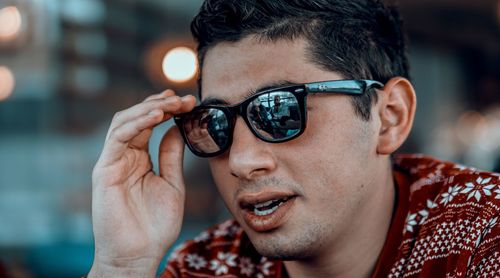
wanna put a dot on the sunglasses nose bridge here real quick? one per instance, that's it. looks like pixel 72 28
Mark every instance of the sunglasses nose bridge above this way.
pixel 235 111
pixel 241 111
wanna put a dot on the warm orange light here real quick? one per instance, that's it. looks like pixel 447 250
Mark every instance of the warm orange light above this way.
pixel 7 83
pixel 180 64
pixel 498 12
pixel 10 23
pixel 469 126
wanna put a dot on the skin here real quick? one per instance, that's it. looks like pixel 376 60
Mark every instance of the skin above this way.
pixel 137 214
pixel 340 219
pixel 339 168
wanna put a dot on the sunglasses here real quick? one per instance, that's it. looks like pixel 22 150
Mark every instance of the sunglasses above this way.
pixel 275 115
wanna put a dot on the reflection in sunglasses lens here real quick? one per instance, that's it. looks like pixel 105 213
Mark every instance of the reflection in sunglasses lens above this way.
pixel 275 116
pixel 207 130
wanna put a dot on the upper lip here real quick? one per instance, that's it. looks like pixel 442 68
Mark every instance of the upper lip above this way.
pixel 248 201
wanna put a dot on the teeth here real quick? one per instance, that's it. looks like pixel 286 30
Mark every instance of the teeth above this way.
pixel 264 204
pixel 267 211
pixel 258 207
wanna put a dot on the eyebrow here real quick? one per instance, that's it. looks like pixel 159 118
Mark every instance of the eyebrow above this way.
pixel 264 87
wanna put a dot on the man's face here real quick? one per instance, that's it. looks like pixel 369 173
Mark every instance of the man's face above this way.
pixel 277 101
pixel 321 182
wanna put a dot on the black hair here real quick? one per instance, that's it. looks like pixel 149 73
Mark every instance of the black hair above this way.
pixel 360 39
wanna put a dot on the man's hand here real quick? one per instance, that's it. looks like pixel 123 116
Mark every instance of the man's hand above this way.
pixel 136 214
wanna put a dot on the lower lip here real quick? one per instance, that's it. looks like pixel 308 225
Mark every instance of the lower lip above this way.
pixel 264 223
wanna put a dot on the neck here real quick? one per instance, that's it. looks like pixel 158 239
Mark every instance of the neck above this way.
pixel 355 252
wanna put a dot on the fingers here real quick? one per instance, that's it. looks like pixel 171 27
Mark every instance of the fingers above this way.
pixel 171 156
pixel 168 104
pixel 131 122
pixel 166 93
pixel 131 129
pixel 119 138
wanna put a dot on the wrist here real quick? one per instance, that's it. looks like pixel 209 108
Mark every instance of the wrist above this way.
pixel 124 267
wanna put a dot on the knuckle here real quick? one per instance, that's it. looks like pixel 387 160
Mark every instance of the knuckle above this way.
pixel 117 115
pixel 175 103
pixel 174 99
pixel 151 96
pixel 115 133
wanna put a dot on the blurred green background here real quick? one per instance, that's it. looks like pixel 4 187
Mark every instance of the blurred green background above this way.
pixel 66 66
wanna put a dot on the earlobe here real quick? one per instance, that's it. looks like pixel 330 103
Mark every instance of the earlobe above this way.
pixel 396 111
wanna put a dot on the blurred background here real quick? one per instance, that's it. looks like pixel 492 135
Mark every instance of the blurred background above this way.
pixel 66 66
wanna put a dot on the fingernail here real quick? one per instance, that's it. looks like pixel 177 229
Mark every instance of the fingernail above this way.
pixel 185 98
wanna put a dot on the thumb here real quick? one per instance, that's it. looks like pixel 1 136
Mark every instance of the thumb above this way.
pixel 171 156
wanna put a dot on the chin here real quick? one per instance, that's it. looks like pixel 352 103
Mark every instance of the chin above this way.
pixel 285 254
pixel 289 248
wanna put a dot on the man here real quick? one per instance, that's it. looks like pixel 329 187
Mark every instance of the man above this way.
pixel 279 111
pixel 327 199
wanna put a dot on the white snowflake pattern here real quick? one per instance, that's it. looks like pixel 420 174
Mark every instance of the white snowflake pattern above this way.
pixel 233 230
pixel 431 204
pixel 487 189
pixel 411 221
pixel 176 252
pixel 264 268
pixel 226 225
pixel 478 241
pixel 202 237
pixel 491 224
pixel 222 263
pixel 227 228
pixel 246 266
pixel 497 191
pixel 448 196
pixel 424 214
pixel 220 233
pixel 196 261
pixel 460 167
pixel 474 190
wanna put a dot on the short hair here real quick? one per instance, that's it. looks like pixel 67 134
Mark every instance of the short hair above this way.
pixel 360 39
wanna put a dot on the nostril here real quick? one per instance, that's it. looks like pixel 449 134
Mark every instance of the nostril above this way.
pixel 250 172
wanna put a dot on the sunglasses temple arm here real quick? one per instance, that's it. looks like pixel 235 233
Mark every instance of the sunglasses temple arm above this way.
pixel 338 87
pixel 350 87
pixel 373 84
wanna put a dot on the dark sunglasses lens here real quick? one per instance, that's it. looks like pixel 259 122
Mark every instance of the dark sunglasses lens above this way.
pixel 275 116
pixel 207 130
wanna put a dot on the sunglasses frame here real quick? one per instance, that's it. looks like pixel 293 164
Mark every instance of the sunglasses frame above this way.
pixel 300 92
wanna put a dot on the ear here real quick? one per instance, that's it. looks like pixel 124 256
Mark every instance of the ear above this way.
pixel 397 104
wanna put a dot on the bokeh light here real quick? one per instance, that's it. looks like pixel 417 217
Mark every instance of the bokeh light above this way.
pixel 498 12
pixel 10 23
pixel 469 126
pixel 7 82
pixel 180 64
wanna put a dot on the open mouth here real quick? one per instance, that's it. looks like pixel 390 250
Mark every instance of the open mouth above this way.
pixel 267 211
pixel 267 208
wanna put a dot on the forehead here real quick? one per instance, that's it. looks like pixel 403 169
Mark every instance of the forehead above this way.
pixel 232 70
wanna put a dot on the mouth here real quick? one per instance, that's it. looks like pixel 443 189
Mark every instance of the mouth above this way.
pixel 266 207
pixel 267 210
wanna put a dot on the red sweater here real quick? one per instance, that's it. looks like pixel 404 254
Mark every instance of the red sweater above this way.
pixel 445 225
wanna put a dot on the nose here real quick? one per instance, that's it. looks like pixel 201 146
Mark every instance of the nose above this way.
pixel 249 157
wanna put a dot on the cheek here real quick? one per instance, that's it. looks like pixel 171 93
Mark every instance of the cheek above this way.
pixel 336 149
pixel 225 183
pixel 340 135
